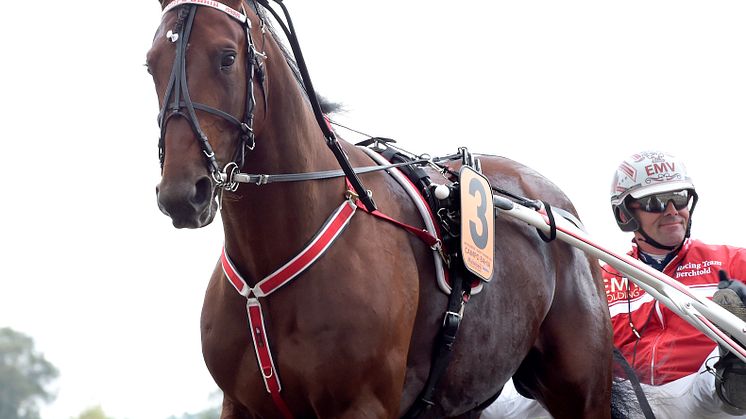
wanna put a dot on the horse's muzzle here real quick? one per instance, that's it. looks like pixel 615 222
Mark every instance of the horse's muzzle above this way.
pixel 190 205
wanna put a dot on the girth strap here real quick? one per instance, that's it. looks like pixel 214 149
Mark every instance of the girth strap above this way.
pixel 443 344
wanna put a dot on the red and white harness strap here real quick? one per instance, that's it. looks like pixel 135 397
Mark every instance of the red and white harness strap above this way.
pixel 324 238
pixel 422 234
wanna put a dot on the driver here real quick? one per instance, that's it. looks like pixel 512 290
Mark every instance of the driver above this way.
pixel 684 373
pixel 653 197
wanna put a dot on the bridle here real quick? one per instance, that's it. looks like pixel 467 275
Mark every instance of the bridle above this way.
pixel 177 100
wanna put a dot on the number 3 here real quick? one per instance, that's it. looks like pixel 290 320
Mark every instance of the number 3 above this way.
pixel 479 239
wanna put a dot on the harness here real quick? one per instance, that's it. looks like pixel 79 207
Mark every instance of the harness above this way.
pixel 329 232
pixel 322 240
pixel 177 102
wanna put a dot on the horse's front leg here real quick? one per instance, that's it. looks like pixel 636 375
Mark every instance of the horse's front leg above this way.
pixel 370 393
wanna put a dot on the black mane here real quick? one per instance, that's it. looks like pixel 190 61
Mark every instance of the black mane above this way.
pixel 329 107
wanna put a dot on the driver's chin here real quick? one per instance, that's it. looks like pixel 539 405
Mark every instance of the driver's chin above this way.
pixel 671 236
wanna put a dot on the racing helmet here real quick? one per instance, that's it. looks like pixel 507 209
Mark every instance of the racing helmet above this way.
pixel 643 174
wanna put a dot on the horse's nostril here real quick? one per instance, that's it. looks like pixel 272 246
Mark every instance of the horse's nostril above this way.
pixel 202 191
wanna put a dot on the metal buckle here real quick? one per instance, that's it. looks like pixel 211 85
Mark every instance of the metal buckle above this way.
pixel 451 314
pixel 351 195
pixel 225 179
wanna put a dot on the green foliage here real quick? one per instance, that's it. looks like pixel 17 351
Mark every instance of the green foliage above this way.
pixel 24 376
pixel 93 413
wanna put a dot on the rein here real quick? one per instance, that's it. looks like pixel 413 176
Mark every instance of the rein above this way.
pixel 263 179
pixel 326 174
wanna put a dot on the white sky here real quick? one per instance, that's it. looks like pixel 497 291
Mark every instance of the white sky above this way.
pixel 112 294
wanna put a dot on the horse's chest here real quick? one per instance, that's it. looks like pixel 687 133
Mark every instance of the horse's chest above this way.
pixel 226 339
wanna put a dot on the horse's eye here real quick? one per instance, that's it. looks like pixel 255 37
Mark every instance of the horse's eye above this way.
pixel 228 60
pixel 147 68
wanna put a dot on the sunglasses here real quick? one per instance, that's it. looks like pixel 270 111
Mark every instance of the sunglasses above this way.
pixel 657 203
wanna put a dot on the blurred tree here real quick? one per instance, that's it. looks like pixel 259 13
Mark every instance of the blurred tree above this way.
pixel 211 413
pixel 24 376
pixel 93 413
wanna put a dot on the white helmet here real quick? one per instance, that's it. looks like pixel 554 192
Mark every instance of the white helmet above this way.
pixel 642 174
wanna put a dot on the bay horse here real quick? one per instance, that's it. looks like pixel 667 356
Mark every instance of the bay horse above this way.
pixel 353 335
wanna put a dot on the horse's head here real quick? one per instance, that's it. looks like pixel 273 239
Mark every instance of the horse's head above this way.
pixel 203 63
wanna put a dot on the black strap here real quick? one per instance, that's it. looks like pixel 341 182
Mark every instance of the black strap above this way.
pixel 552 225
pixel 331 139
pixel 443 345
pixel 414 173
pixel 371 140
pixel 261 179
pixel 635 381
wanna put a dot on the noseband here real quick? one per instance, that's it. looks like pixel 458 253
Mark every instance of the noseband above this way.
pixel 177 100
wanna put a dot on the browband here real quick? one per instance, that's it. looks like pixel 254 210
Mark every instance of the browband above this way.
pixel 210 3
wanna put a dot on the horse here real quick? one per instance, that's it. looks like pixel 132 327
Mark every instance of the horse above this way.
pixel 353 335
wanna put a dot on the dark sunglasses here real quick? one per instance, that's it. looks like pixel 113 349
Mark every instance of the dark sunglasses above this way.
pixel 657 203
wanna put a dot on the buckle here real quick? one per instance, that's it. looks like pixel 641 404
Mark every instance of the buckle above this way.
pixel 351 195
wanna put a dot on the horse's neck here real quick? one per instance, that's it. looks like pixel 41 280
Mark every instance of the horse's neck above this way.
pixel 266 225
pixel 288 136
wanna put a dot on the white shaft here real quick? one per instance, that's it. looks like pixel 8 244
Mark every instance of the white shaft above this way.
pixel 703 314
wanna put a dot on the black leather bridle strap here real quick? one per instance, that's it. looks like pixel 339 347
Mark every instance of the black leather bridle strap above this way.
pixel 178 87
pixel 177 100
pixel 194 122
